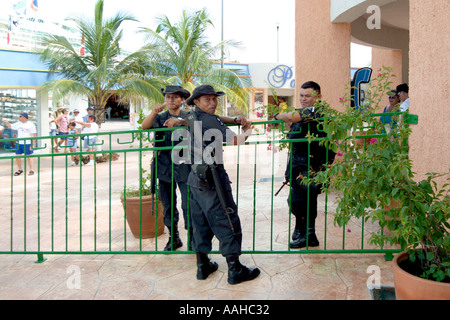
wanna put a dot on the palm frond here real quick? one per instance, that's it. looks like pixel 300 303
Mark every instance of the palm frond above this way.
pixel 102 69
pixel 181 50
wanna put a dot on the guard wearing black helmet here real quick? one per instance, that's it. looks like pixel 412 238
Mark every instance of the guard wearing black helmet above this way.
pixel 174 97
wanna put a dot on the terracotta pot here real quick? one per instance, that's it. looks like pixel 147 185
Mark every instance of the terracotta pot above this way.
pixel 411 287
pixel 149 221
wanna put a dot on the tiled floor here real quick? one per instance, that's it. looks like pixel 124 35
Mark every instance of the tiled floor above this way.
pixel 166 277
pixel 292 276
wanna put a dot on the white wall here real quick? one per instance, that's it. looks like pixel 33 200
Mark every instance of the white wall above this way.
pixel 72 102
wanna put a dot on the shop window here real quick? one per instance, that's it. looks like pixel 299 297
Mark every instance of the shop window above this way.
pixel 12 103
pixel 258 101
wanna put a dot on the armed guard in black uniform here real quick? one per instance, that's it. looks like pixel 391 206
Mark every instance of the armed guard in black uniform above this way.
pixel 214 212
pixel 306 160
pixel 168 180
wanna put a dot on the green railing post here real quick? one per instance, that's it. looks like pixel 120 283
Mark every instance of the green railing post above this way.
pixel 41 258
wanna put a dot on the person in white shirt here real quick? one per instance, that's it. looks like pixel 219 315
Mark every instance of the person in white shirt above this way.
pixel 403 93
pixel 89 141
pixel 77 117
pixel 25 129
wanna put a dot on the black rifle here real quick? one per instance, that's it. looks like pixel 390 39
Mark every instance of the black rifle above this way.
pixel 153 182
pixel 286 182
pixel 221 194
pixel 279 190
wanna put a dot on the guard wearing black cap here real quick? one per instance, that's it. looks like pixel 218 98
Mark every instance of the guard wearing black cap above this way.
pixel 214 212
pixel 174 97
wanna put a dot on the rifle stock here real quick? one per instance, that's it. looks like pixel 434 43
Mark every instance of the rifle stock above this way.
pixel 153 183
pixel 221 194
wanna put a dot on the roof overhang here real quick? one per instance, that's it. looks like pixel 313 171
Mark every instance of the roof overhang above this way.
pixel 394 21
pixel 394 13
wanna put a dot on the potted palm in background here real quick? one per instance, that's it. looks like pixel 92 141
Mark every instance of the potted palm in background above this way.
pixel 376 183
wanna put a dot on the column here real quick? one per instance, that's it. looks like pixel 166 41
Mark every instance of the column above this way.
pixel 430 85
pixel 322 50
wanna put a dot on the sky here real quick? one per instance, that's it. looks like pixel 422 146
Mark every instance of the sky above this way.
pixel 265 28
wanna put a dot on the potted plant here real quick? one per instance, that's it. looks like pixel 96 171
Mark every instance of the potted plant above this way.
pixel 144 214
pixel 375 182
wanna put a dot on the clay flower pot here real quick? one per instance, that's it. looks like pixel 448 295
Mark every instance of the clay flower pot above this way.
pixel 411 287
pixel 152 225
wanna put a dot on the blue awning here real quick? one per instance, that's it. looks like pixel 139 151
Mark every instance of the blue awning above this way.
pixel 22 69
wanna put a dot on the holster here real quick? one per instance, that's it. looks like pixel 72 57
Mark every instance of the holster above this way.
pixel 201 170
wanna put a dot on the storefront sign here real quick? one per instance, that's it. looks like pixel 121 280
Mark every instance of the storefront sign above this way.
pixel 359 86
pixel 281 74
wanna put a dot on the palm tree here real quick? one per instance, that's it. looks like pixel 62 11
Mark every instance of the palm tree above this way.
pixel 183 55
pixel 100 71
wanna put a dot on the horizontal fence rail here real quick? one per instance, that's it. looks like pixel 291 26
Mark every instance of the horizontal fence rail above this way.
pixel 77 209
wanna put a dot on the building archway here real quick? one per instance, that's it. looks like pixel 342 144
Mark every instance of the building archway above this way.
pixel 117 109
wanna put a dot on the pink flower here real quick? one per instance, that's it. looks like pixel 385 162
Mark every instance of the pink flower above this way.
pixel 348 230
pixel 339 154
pixel 373 140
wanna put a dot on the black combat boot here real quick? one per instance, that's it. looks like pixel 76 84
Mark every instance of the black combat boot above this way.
pixel 177 243
pixel 300 229
pixel 238 273
pixel 296 234
pixel 301 241
pixel 204 266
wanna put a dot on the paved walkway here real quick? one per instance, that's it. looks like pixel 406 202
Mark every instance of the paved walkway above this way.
pixel 167 277
pixel 172 277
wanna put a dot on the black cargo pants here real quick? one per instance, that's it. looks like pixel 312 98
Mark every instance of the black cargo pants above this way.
pixel 209 219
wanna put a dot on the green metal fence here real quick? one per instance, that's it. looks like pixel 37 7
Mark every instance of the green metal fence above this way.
pixel 64 209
